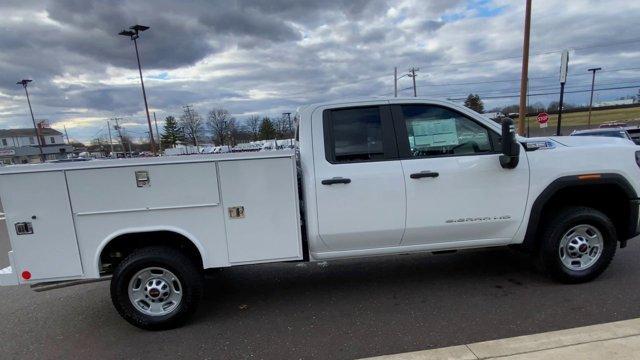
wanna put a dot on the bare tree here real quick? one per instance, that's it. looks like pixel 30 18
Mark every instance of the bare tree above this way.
pixel 281 127
pixel 284 126
pixel 191 125
pixel 222 125
pixel 253 126
pixel 234 133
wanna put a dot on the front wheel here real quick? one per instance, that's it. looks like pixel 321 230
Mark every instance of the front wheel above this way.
pixel 156 288
pixel 577 245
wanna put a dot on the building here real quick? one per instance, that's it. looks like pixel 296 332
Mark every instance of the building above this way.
pixel 20 146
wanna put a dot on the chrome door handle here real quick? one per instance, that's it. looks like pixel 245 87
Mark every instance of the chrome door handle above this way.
pixel 424 174
pixel 3 216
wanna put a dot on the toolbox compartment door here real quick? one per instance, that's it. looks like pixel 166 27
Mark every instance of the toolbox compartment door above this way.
pixel 261 210
pixel 39 203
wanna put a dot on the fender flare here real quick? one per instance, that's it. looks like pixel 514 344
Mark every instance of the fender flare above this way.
pixel 146 229
pixel 571 181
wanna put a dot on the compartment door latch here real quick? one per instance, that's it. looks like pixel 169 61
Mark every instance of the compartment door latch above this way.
pixel 24 228
pixel 142 179
pixel 236 212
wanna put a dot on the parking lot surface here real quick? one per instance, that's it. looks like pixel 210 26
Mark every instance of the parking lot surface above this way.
pixel 336 310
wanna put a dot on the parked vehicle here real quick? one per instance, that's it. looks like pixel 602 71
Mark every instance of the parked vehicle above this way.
pixel 634 133
pixel 375 178
pixel 223 149
pixel 616 132
pixel 612 124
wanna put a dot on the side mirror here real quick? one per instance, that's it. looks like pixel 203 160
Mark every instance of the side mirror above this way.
pixel 510 147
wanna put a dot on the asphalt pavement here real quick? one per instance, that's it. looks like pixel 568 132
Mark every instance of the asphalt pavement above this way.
pixel 338 310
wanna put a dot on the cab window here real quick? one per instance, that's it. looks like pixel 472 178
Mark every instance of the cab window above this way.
pixel 437 131
pixel 358 134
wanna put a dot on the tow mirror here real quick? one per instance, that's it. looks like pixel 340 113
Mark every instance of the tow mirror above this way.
pixel 510 147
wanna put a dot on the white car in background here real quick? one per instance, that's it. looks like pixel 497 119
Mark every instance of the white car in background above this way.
pixel 616 132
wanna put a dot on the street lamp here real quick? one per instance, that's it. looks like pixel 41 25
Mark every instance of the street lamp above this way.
pixel 593 80
pixel 395 81
pixel 24 83
pixel 134 34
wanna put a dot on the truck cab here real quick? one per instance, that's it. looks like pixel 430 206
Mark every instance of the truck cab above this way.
pixel 394 176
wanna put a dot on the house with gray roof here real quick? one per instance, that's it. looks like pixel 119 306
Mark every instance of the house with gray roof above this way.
pixel 20 146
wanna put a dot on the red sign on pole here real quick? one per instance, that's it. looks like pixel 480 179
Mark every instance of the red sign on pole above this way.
pixel 543 119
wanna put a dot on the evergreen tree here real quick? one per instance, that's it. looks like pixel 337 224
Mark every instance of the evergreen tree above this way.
pixel 474 103
pixel 267 130
pixel 171 133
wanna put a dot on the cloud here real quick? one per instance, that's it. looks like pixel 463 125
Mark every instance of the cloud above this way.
pixel 272 56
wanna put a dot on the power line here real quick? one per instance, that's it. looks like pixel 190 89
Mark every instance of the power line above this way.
pixel 488 94
pixel 101 129
pixel 574 74
pixel 556 92
pixel 539 53
pixel 538 88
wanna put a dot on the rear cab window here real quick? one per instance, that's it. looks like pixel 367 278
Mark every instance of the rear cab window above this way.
pixel 359 134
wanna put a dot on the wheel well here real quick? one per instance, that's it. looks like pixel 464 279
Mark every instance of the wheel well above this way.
pixel 121 246
pixel 609 198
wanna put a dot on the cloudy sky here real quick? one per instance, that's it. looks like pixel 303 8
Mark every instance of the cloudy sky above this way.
pixel 271 56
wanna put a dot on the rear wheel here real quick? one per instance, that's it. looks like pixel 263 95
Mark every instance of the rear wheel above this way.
pixel 577 245
pixel 156 288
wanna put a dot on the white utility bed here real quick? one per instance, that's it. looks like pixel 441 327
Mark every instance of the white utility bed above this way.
pixel 236 209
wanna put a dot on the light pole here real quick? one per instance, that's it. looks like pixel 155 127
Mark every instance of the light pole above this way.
pixel 24 83
pixel 134 34
pixel 395 81
pixel 593 81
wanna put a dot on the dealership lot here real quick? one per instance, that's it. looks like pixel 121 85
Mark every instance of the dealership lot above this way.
pixel 342 309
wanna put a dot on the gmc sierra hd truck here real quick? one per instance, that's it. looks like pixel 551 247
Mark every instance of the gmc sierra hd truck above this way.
pixel 369 178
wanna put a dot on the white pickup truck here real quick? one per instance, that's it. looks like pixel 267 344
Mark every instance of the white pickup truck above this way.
pixel 369 178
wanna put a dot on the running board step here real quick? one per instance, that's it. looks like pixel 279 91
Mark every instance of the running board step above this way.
pixel 63 284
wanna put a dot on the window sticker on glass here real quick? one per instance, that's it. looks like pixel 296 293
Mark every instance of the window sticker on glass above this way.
pixel 435 133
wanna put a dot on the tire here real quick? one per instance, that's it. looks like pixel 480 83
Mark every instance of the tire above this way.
pixel 160 278
pixel 575 259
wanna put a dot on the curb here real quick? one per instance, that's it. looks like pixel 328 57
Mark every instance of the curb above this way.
pixel 619 339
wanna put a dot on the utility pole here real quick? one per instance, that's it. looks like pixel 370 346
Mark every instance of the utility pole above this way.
pixel 564 69
pixel 66 134
pixel 395 81
pixel 413 75
pixel 527 119
pixel 289 124
pixel 110 141
pixel 24 84
pixel 129 145
pixel 134 34
pixel 157 133
pixel 593 81
pixel 119 129
pixel 525 68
